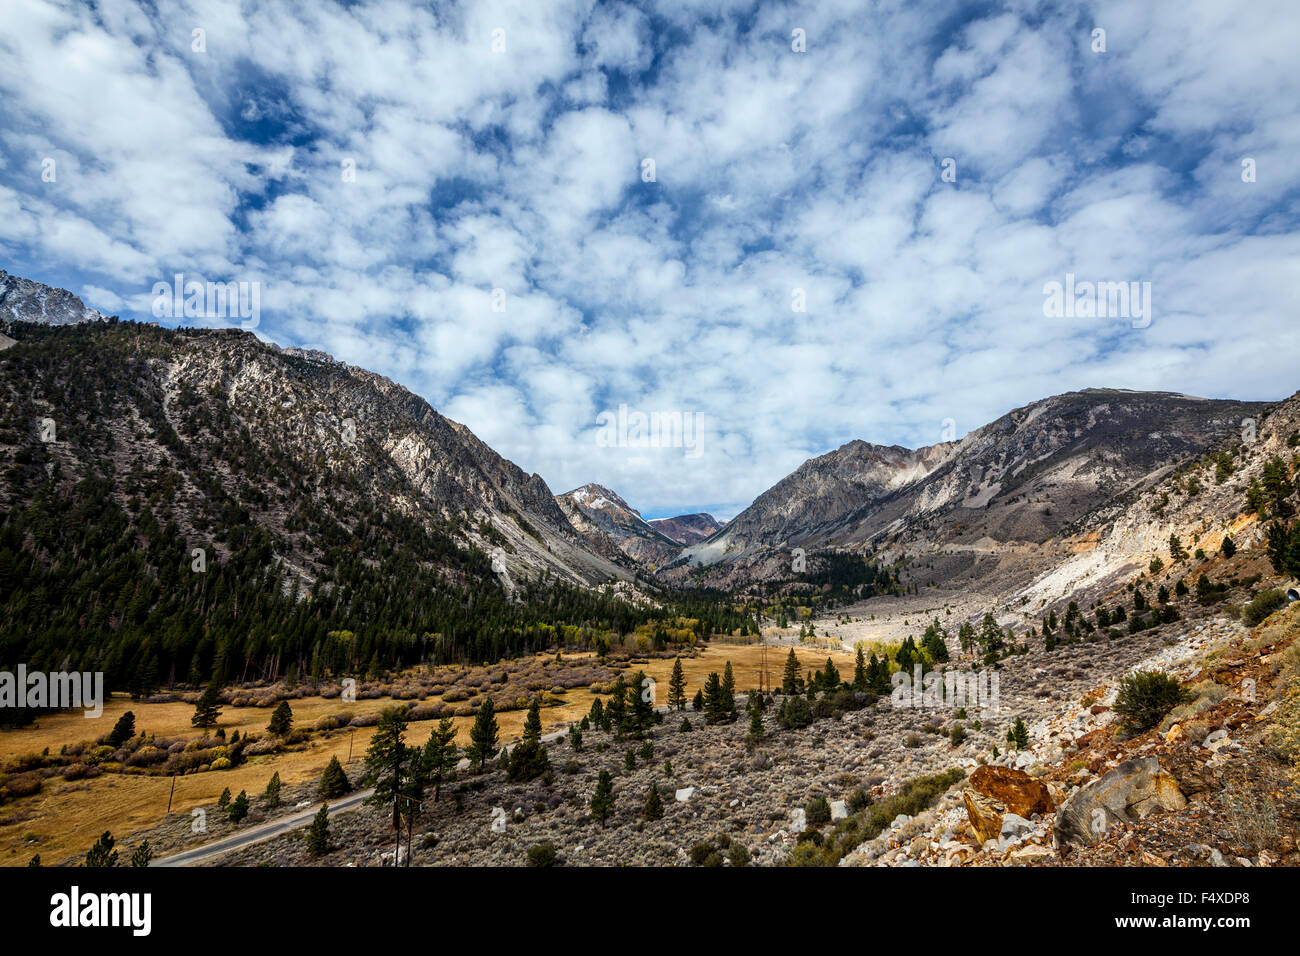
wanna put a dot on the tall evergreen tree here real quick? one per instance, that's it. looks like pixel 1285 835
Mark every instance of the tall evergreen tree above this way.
pixel 728 688
pixel 714 702
pixel 677 686
pixel 1020 734
pixel 614 709
pixel 860 680
pixel 791 682
pixel 238 808
pixel 483 735
pixel 281 719
pixel 207 711
pixel 440 755
pixel 273 791
pixel 388 761
pixel 142 854
pixel 528 758
pixel 122 731
pixel 641 711
pixel 654 804
pixel 318 834
pixel 602 800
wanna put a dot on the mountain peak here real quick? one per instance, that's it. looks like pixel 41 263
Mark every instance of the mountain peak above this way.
pixel 25 300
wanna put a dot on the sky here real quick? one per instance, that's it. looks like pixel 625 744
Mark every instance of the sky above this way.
pixel 789 226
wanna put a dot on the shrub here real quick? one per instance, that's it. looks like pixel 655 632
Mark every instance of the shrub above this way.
pixel 544 854
pixel 1262 605
pixel 1252 819
pixel 794 712
pixel 21 785
pixel 818 812
pixel 1144 698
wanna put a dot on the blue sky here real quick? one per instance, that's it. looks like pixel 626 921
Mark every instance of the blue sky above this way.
pixel 502 145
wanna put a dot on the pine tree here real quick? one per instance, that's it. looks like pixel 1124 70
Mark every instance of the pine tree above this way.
pixel 654 805
pixel 728 688
pixel 602 800
pixel 677 687
pixel 122 731
pixel 102 854
pixel 614 709
pixel 388 761
pixel 791 682
pixel 273 791
pixel 238 808
pixel 528 758
pixel 860 680
pixel 830 676
pixel 223 801
pixel 1227 548
pixel 334 781
pixel 698 703
pixel 440 755
pixel 1020 734
pixel 966 637
pixel 714 711
pixel 207 711
pixel 318 834
pixel 640 714
pixel 935 642
pixel 281 719
pixel 483 736
pixel 755 719
pixel 597 714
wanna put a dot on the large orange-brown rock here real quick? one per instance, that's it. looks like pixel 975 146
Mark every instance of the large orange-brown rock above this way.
pixel 985 815
pixel 1014 789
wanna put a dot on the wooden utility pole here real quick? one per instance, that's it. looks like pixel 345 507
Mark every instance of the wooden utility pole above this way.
pixel 172 794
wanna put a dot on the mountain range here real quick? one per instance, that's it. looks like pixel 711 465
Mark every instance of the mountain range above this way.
pixel 1009 501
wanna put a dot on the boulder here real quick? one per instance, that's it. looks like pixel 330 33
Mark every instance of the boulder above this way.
pixel 1031 855
pixel 839 810
pixel 985 814
pixel 1014 789
pixel 684 794
pixel 1123 795
pixel 1014 829
pixel 798 820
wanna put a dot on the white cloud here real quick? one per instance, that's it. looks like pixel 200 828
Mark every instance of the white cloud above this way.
pixel 521 170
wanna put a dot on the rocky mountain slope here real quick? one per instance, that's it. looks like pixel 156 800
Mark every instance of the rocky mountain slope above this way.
pixel 996 503
pixel 612 527
pixel 344 435
pixel 687 529
pixel 24 300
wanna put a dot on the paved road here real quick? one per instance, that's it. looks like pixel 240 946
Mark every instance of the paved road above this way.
pixel 265 831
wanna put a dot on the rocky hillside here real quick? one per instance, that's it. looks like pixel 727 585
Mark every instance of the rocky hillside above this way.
pixel 687 529
pixel 612 527
pixel 178 505
pixel 1212 784
pixel 206 403
pixel 24 300
pixel 996 503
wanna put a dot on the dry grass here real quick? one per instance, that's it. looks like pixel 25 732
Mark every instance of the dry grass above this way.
pixel 68 816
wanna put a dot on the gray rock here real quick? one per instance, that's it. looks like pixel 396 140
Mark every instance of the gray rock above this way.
pixel 1123 795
